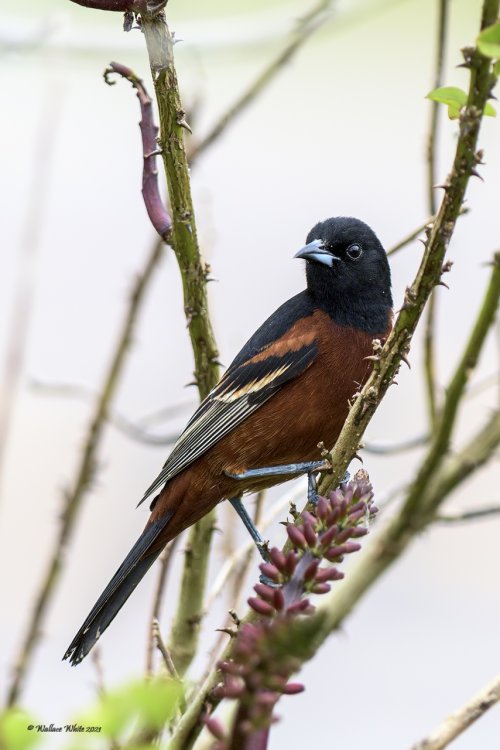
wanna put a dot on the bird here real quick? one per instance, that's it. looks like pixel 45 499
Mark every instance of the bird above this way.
pixel 287 391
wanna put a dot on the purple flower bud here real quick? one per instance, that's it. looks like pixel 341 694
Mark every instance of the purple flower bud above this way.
pixel 351 547
pixel 322 509
pixel 358 531
pixel 266 698
pixel 308 518
pixel 291 562
pixel 293 688
pixel 310 534
pixel 344 535
pixel 232 668
pixel 296 537
pixel 328 574
pixel 270 571
pixel 310 571
pixel 327 537
pixel 335 554
pixel 278 599
pixel 215 727
pixel 355 517
pixel 299 606
pixel 321 588
pixel 261 607
pixel 278 558
pixel 234 688
pixel 333 516
pixel 360 505
pixel 266 592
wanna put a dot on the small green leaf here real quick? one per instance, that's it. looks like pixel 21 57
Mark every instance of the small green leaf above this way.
pixel 140 705
pixel 455 99
pixel 490 110
pixel 14 732
pixel 452 96
pixel 488 41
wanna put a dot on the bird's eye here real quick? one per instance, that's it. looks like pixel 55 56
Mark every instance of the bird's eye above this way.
pixel 354 252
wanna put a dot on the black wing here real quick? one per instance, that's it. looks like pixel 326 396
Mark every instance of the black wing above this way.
pixel 248 383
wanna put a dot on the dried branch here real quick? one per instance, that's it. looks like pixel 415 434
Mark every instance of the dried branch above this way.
pixel 84 476
pixel 165 560
pixel 456 723
pixel 430 321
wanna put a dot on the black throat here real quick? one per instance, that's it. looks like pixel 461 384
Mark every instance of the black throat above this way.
pixel 367 312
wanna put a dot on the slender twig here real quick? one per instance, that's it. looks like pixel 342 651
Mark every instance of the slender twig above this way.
pixel 306 26
pixel 456 723
pixel 447 417
pixel 165 561
pixel 430 319
pixel 84 476
pixel 389 449
pixel 97 662
pixel 160 645
pixel 471 515
pixel 409 238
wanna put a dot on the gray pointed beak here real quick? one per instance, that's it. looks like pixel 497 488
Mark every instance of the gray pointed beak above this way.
pixel 316 252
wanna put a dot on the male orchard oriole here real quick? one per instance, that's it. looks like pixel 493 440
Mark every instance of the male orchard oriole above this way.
pixel 287 390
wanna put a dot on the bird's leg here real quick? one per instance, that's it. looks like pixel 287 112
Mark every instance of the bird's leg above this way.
pixel 260 543
pixel 306 467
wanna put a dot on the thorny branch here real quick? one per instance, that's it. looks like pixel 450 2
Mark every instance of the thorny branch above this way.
pixel 184 637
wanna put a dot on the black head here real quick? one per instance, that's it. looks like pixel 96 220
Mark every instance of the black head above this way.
pixel 348 273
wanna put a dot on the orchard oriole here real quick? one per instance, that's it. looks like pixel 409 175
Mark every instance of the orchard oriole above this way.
pixel 287 390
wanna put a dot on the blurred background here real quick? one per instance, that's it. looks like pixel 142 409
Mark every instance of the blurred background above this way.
pixel 341 130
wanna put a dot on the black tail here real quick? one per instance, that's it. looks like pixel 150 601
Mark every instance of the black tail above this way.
pixel 116 593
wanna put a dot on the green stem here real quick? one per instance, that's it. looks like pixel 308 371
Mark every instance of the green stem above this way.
pixel 184 637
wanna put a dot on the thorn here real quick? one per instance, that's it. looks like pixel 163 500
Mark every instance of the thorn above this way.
pixel 183 123
pixel 231 632
pixel 405 359
pixel 356 455
pixel 156 152
pixel 393 382
pixel 373 358
pixel 475 173
pixel 442 186
pixel 442 283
